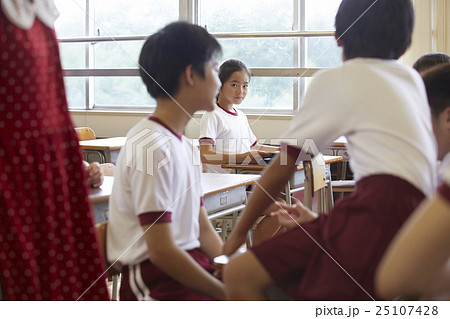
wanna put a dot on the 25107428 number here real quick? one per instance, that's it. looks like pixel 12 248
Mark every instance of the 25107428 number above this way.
pixel 407 310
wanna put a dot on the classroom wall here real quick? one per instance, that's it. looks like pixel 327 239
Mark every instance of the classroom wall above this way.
pixel 431 30
pixel 431 34
pixel 109 124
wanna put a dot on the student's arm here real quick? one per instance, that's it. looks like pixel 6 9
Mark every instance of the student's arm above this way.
pixel 209 156
pixel 266 190
pixel 266 148
pixel 210 242
pixel 414 262
pixel 177 263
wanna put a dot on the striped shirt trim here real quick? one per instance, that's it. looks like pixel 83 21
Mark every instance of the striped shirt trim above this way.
pixel 155 217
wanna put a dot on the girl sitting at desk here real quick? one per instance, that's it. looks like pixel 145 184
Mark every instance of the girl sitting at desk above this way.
pixel 225 134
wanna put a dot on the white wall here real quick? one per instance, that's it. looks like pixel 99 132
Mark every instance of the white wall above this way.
pixel 431 31
pixel 108 124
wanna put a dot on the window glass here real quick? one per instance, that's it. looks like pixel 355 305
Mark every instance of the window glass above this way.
pixel 262 52
pixel 320 14
pixel 72 17
pixel 124 54
pixel 269 93
pixel 119 17
pixel 322 52
pixel 121 91
pixel 73 55
pixel 247 16
pixel 75 92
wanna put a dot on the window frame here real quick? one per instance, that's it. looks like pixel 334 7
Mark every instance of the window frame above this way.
pixel 189 11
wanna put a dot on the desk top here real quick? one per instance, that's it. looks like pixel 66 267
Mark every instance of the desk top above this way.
pixel 213 183
pixel 340 142
pixel 256 167
pixel 106 144
pixel 101 194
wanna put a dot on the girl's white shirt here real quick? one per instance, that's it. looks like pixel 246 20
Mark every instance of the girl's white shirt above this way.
pixel 23 12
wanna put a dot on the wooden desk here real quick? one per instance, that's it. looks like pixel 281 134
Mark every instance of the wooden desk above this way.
pixel 224 194
pixel 107 149
pixel 297 182
pixel 339 144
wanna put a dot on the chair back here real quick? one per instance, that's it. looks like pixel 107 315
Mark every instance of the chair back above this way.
pixel 315 174
pixel 85 133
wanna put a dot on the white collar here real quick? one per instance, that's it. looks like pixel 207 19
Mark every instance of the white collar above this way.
pixel 23 12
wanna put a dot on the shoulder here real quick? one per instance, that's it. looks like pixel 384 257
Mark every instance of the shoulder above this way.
pixel 240 113
pixel 147 135
pixel 213 115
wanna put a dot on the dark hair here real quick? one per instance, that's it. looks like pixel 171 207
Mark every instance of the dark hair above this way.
pixel 375 29
pixel 437 83
pixel 430 59
pixel 166 54
pixel 229 67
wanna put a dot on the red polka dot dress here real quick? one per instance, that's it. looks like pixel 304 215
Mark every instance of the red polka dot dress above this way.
pixel 48 247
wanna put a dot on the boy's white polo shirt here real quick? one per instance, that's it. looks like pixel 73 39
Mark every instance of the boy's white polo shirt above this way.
pixel 381 107
pixel 157 179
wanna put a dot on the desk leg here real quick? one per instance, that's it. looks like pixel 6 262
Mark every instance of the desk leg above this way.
pixel 288 193
pixel 308 192
pixel 329 195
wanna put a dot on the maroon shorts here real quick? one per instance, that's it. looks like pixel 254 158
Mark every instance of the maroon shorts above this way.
pixel 146 282
pixel 335 257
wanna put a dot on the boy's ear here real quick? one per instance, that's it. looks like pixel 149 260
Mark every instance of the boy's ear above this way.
pixel 338 40
pixel 447 117
pixel 188 75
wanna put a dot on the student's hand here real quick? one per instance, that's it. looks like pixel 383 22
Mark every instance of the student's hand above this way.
pixel 274 207
pixel 95 174
pixel 292 216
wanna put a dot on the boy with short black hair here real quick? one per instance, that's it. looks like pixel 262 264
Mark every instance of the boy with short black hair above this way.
pixel 158 227
pixel 437 84
pixel 380 106
pixel 429 60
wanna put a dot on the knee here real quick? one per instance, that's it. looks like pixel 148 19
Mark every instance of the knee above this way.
pixel 234 273
pixel 245 278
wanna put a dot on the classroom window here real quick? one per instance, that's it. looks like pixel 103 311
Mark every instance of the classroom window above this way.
pixel 283 42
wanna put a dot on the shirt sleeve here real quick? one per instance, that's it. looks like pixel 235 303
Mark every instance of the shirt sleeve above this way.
pixel 151 184
pixel 208 128
pixel 253 139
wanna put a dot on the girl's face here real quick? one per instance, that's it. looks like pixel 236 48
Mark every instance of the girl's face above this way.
pixel 234 90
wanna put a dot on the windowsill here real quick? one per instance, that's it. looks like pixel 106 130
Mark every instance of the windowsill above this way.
pixel 146 113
